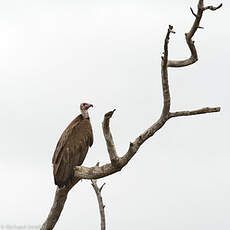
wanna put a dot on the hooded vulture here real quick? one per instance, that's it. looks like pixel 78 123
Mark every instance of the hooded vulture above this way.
pixel 72 147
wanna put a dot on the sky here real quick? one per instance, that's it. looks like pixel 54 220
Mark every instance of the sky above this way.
pixel 56 54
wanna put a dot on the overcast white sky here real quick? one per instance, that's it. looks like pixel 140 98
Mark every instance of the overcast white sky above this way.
pixel 56 54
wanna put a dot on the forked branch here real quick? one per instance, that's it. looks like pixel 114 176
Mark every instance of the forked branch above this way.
pixel 188 36
pixel 100 202
pixel 108 169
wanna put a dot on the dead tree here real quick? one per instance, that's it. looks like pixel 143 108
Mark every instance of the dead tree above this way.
pixel 117 163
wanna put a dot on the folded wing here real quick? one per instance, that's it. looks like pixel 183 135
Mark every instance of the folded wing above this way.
pixel 71 150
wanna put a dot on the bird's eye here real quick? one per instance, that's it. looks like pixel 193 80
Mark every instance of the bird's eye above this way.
pixel 84 104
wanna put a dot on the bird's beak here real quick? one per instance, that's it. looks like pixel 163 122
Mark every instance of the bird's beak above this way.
pixel 90 105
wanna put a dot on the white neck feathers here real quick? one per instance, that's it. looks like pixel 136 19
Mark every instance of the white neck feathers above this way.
pixel 85 113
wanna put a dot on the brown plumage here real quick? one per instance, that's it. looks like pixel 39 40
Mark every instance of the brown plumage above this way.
pixel 72 147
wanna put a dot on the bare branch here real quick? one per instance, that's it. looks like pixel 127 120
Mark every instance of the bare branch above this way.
pixel 193 12
pixel 100 202
pixel 194 112
pixel 212 7
pixel 95 172
pixel 108 169
pixel 109 138
pixel 164 74
pixel 55 212
pixel 101 187
pixel 188 36
pixel 58 205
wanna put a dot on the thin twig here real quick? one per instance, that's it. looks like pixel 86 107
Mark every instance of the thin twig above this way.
pixel 193 12
pixel 100 202
pixel 212 7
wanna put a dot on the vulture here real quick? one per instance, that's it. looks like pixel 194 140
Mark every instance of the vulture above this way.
pixel 72 147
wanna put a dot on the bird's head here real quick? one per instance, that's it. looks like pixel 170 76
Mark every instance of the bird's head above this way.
pixel 84 109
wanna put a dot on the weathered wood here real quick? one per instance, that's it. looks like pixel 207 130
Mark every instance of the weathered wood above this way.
pixel 57 207
pixel 188 36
